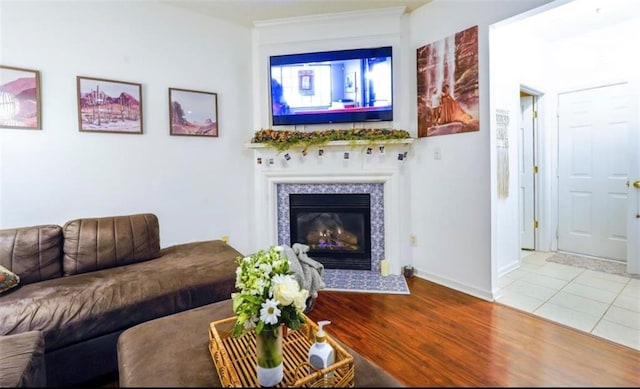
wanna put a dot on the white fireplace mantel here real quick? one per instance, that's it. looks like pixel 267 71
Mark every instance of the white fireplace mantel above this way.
pixel 339 163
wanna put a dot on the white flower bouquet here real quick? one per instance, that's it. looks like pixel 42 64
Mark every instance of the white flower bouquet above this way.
pixel 268 293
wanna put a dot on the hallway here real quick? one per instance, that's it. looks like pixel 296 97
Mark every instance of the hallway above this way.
pixel 603 304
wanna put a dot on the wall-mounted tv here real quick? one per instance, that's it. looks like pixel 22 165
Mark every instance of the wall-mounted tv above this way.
pixel 339 86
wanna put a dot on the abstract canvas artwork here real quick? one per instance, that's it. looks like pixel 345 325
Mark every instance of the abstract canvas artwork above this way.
pixel 447 82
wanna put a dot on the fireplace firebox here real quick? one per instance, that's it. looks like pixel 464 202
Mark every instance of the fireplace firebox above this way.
pixel 335 226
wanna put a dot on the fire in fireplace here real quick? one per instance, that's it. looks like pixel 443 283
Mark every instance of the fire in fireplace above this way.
pixel 335 226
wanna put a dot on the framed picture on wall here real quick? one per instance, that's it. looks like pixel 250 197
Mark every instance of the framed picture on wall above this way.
pixel 20 98
pixel 350 82
pixel 109 106
pixel 305 82
pixel 193 113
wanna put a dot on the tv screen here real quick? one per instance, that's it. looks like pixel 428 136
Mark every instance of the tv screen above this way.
pixel 332 86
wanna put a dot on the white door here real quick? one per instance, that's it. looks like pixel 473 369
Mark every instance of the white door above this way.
pixel 593 165
pixel 526 173
pixel 633 214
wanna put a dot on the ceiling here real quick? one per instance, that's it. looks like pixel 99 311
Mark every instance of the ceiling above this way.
pixel 245 12
pixel 579 17
pixel 572 18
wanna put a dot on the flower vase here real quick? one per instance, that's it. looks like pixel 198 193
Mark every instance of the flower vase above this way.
pixel 269 355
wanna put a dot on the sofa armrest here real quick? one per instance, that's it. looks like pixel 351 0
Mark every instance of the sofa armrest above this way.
pixel 22 360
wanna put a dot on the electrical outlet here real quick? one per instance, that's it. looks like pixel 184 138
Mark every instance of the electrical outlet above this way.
pixel 437 153
pixel 414 241
pixel 225 238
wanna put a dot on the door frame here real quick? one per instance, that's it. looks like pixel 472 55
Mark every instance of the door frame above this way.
pixel 633 221
pixel 537 95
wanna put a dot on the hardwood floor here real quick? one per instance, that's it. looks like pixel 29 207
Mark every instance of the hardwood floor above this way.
pixel 437 336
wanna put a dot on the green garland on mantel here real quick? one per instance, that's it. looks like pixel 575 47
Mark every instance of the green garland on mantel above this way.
pixel 284 140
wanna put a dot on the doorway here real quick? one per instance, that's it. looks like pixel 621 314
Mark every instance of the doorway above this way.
pixel 540 49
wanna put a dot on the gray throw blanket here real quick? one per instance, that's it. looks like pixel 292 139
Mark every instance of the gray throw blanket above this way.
pixel 308 271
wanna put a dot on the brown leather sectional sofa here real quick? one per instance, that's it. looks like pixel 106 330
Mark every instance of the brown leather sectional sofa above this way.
pixel 86 282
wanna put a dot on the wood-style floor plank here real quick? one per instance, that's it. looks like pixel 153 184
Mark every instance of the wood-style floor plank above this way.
pixel 437 336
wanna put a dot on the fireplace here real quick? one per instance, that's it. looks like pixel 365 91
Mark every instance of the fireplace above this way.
pixel 381 175
pixel 335 226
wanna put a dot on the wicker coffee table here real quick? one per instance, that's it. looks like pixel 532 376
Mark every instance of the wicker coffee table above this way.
pixel 173 351
pixel 235 358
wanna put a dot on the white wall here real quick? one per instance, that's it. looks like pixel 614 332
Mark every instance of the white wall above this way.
pixel 199 187
pixel 453 199
pixel 503 96
pixel 515 56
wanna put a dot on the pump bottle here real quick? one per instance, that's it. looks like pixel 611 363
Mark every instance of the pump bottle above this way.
pixel 321 354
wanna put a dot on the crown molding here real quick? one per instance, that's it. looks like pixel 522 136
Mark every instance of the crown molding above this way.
pixel 389 11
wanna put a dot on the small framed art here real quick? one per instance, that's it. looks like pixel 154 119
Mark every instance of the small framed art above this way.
pixel 109 106
pixel 305 82
pixel 20 98
pixel 193 113
pixel 350 82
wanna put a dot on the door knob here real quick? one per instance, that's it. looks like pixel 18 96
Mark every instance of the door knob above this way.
pixel 636 184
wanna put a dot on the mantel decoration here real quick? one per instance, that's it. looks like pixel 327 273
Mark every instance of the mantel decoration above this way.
pixel 268 298
pixel 284 140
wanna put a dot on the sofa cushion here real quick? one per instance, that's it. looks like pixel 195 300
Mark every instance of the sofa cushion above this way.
pixel 83 306
pixel 8 279
pixel 92 244
pixel 33 253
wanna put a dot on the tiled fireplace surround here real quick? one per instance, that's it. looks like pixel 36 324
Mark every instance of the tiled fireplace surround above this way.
pixel 375 191
pixel 342 168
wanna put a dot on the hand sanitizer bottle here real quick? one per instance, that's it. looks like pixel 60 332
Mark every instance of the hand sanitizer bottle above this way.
pixel 321 354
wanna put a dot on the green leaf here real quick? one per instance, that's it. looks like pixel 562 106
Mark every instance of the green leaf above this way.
pixel 294 324
pixel 237 330
pixel 259 326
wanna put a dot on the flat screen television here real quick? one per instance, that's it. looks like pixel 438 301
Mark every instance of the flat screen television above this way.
pixel 338 86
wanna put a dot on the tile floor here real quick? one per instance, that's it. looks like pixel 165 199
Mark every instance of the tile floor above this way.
pixel 603 304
